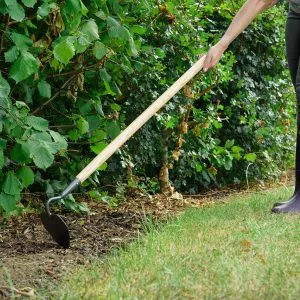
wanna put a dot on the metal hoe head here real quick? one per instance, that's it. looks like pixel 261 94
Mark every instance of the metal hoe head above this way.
pixel 55 225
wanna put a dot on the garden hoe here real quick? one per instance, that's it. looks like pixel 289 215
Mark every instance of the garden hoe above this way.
pixel 53 223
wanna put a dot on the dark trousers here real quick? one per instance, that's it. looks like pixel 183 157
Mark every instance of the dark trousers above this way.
pixel 292 36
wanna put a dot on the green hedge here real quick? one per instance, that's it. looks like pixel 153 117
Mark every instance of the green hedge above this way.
pixel 74 73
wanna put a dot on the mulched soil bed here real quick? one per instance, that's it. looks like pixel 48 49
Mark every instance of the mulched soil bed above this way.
pixel 31 262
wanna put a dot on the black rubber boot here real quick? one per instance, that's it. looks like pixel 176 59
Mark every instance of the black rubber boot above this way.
pixel 293 204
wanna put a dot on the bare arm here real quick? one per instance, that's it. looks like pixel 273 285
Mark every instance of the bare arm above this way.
pixel 242 19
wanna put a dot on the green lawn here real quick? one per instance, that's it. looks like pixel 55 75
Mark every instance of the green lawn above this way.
pixel 232 250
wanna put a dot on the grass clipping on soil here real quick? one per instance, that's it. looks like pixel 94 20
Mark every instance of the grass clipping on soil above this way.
pixel 236 249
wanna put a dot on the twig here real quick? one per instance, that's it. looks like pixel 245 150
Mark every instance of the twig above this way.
pixel 75 73
pixel 3 34
pixel 63 126
pixel 27 294
pixel 54 96
pixel 247 175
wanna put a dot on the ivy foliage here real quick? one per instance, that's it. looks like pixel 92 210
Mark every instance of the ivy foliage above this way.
pixel 74 73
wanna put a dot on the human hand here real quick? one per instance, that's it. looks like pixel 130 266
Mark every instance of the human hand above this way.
pixel 270 3
pixel 213 56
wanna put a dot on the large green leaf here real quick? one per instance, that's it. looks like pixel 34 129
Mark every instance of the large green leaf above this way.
pixel 2 148
pixel 59 139
pixel 11 185
pixel 132 48
pixel 104 75
pixel 29 3
pixel 64 50
pixel 116 30
pixel 21 41
pixel 8 202
pixel 42 156
pixel 12 54
pixel 20 154
pixel 82 125
pixel 37 123
pixel 2 159
pixel 98 147
pixel 75 7
pixel 250 157
pixel 99 50
pixel 90 30
pixel 23 67
pixel 26 175
pixel 42 149
pixel 15 10
pixel 44 89
pixel 3 143
pixel 4 87
pixel 113 129
pixel 44 10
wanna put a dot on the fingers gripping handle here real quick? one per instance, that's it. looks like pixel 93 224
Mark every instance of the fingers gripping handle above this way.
pixel 140 121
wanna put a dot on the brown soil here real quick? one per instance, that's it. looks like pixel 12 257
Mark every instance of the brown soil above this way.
pixel 30 261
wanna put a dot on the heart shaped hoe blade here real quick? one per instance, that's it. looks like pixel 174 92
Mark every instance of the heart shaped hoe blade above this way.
pixel 57 228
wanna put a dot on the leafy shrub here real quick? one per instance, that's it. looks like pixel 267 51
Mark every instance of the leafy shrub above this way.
pixel 74 73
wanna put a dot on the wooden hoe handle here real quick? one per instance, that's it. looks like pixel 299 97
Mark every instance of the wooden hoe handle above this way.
pixel 140 121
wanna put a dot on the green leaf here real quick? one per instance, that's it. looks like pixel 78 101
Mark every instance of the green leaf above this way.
pixel 37 123
pixel 75 7
pixel 43 10
pixel 113 129
pixel 26 175
pixel 3 144
pixel 73 135
pixel 82 125
pixel 98 147
pixel 97 136
pixel 2 159
pixel 42 157
pixel 99 50
pixel 90 29
pixel 20 154
pixel 229 144
pixel 8 202
pixel 64 51
pixel 115 88
pixel 29 3
pixel 4 87
pixel 236 149
pixel 21 41
pixel 116 30
pixel 115 106
pixel 250 157
pixel 59 139
pixel 44 89
pixel 41 149
pixel 21 104
pixel 138 29
pixel 198 168
pixel 228 163
pixel 104 75
pixel 11 185
pixel 12 54
pixel 15 10
pixel 103 167
pixel 23 67
pixel 133 49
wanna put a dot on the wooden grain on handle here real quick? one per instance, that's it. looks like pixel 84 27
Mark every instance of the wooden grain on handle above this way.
pixel 140 121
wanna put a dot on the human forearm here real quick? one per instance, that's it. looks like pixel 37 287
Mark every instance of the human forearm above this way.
pixel 243 18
